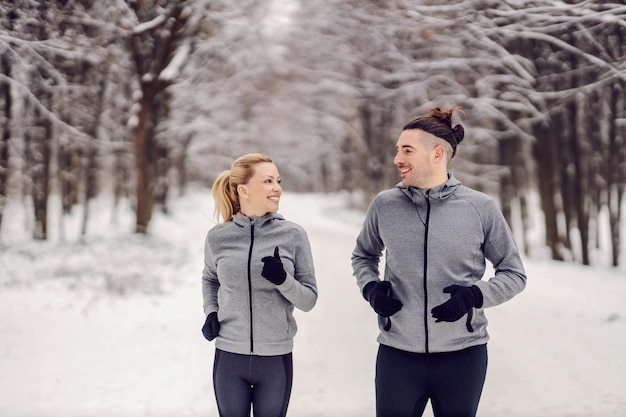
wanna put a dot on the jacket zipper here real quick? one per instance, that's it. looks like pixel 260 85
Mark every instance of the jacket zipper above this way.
pixel 250 283
pixel 425 272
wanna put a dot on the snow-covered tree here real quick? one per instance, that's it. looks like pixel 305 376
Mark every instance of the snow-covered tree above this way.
pixel 577 81
pixel 528 74
pixel 70 65
pixel 147 94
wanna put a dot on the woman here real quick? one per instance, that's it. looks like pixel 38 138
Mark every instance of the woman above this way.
pixel 257 267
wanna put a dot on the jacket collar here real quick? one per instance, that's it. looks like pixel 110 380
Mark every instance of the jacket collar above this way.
pixel 244 221
pixel 437 193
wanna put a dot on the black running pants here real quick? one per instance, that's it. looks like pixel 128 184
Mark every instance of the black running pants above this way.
pixel 453 381
pixel 242 382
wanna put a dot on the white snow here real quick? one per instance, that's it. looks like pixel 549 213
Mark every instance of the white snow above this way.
pixel 111 327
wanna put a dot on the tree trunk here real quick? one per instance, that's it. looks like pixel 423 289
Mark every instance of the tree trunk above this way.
pixel 5 104
pixel 143 146
pixel 614 171
pixel 90 166
pixel 41 138
pixel 545 154
pixel 507 193
pixel 581 178
pixel 37 157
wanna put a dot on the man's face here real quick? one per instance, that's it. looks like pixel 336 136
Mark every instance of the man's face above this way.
pixel 414 159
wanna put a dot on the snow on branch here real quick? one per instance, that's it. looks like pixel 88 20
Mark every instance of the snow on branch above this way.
pixel 82 136
pixel 175 66
pixel 52 46
pixel 149 25
pixel 563 94
pixel 526 34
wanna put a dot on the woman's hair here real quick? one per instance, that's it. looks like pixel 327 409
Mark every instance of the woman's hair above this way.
pixel 224 188
pixel 439 123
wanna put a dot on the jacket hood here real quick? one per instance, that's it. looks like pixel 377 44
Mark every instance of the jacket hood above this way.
pixel 438 193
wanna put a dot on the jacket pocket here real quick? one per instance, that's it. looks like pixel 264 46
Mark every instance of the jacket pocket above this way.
pixel 271 317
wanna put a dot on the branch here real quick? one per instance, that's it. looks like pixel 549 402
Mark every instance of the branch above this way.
pixel 149 25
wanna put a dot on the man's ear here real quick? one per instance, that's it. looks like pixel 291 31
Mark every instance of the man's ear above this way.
pixel 440 152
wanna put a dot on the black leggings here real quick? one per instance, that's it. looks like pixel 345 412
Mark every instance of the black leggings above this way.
pixel 242 381
pixel 453 381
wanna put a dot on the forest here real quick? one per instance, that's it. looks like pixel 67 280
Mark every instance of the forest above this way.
pixel 140 98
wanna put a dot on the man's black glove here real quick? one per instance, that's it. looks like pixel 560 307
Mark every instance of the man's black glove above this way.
pixel 273 269
pixel 462 300
pixel 211 328
pixel 378 293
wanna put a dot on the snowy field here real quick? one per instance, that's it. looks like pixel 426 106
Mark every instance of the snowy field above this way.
pixel 111 327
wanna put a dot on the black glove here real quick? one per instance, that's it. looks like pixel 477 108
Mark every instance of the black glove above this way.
pixel 273 269
pixel 462 300
pixel 211 328
pixel 378 293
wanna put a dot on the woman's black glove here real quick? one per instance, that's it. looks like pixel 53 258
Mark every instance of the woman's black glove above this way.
pixel 211 328
pixel 273 269
pixel 462 300
pixel 378 293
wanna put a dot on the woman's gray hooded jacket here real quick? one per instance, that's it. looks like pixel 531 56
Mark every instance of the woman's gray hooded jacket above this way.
pixel 433 239
pixel 256 316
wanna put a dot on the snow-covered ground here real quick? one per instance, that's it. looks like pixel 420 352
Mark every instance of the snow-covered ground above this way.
pixel 111 327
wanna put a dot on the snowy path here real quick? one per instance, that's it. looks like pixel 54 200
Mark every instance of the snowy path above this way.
pixel 556 350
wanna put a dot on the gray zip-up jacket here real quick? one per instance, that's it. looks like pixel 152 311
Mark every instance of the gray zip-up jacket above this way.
pixel 433 239
pixel 256 316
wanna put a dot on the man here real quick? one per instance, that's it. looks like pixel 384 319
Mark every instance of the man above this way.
pixel 436 235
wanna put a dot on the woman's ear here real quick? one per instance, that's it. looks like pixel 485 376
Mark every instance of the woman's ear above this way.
pixel 242 191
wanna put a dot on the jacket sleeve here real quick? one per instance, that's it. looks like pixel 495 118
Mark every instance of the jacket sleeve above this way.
pixel 501 250
pixel 301 289
pixel 210 283
pixel 368 249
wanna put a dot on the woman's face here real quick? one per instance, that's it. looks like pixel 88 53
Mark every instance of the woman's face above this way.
pixel 262 193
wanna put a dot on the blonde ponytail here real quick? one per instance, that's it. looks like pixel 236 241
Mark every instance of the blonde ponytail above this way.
pixel 225 197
